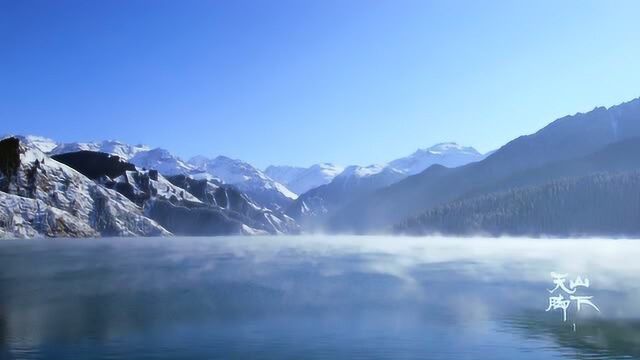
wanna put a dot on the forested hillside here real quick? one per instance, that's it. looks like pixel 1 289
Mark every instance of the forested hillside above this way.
pixel 598 204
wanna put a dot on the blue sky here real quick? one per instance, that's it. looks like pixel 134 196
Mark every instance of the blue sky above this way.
pixel 304 81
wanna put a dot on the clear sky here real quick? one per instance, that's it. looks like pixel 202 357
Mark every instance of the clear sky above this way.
pixel 304 81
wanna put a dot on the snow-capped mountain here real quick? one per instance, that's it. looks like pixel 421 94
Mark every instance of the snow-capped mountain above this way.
pixel 356 172
pixel 247 179
pixel 45 197
pixel 312 207
pixel 317 204
pixel 301 180
pixel 163 161
pixel 41 143
pixel 323 187
pixel 113 147
pixel 231 200
pixel 446 154
pixel 182 205
pixel 140 155
pixel 200 162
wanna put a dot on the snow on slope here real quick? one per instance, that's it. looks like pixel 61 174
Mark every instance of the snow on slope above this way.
pixel 31 174
pixel 140 155
pixel 240 173
pixel 160 187
pixel 246 178
pixel 39 142
pixel 26 218
pixel 301 180
pixel 361 171
pixel 229 199
pixel 163 161
pixel 356 181
pixel 447 154
pixel 124 151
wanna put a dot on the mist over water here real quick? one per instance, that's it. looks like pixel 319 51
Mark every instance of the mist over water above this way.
pixel 314 297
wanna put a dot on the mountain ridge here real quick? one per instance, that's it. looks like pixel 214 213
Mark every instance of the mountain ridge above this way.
pixel 236 196
pixel 565 138
pixel 301 180
pixel 247 178
pixel 316 206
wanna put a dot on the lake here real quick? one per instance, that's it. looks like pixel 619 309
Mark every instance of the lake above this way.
pixel 315 297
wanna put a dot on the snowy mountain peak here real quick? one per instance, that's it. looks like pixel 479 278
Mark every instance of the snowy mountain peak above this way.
pixel 114 147
pixel 39 142
pixel 161 160
pixel 247 178
pixel 301 180
pixel 363 171
pixel 449 154
pixel 328 167
pixel 449 147
pixel 231 171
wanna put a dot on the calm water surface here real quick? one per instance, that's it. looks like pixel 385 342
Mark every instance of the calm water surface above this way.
pixel 314 298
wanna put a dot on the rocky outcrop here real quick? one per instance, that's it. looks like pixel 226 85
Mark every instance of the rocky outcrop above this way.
pixel 53 199
pixel 229 198
pixel 196 221
pixel 183 205
pixel 261 188
pixel 95 165
pixel 23 217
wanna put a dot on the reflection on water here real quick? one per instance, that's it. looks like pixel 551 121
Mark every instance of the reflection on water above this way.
pixel 597 339
pixel 313 298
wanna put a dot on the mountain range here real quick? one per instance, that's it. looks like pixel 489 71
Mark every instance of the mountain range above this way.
pixel 89 193
pixel 547 183
pixel 598 194
pixel 567 139
pixel 317 206
pixel 170 196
